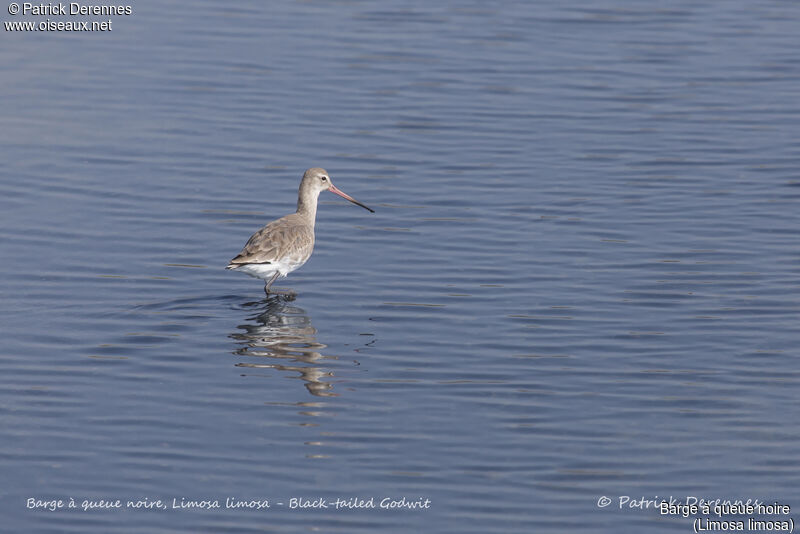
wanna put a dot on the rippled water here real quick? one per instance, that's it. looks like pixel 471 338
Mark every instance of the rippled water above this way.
pixel 581 279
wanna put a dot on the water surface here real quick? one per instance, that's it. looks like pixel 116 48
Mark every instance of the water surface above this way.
pixel 581 279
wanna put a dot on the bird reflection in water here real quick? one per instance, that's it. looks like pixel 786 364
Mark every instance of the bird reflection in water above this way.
pixel 282 337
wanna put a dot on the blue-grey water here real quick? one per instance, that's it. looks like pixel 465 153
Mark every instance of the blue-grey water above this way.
pixel 582 279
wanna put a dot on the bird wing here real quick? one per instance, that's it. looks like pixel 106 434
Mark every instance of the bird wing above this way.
pixel 280 239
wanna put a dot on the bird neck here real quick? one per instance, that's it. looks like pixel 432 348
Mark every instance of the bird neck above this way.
pixel 307 208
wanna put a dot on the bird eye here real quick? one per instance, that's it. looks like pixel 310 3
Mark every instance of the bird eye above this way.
pixel 324 178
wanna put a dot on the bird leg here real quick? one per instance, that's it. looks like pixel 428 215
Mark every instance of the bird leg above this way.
pixel 274 277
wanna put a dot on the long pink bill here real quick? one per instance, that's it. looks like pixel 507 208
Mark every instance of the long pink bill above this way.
pixel 334 189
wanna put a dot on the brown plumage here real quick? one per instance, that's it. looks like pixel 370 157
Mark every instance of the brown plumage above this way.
pixel 285 244
pixel 284 237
